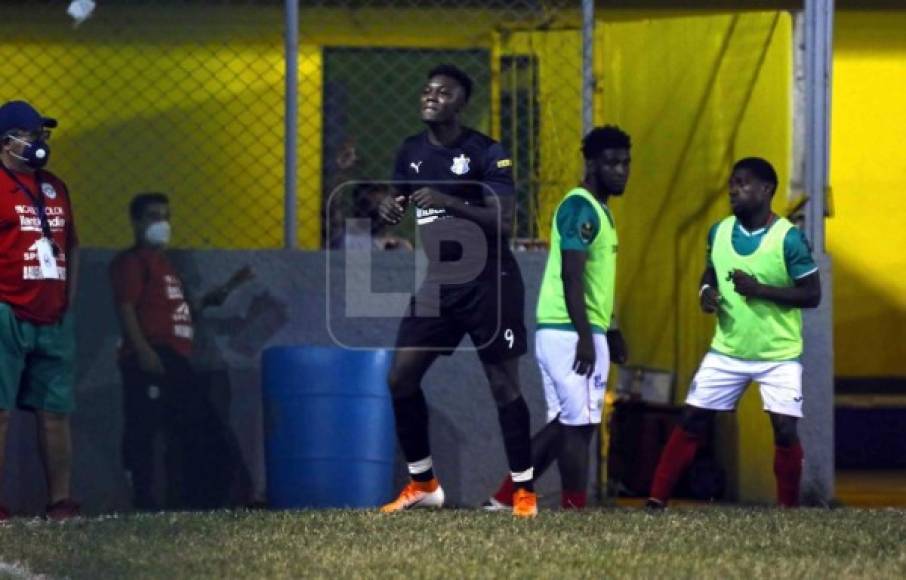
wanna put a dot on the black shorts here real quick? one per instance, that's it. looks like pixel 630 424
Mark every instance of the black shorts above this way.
pixel 490 310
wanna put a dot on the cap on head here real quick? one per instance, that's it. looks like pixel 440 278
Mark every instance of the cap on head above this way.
pixel 22 116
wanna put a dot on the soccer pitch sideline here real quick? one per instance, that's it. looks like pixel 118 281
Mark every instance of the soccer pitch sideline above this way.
pixel 715 542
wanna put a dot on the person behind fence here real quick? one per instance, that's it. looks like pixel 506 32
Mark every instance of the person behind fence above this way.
pixel 162 393
pixel 367 231
pixel 38 278
pixel 346 167
pixel 576 338
pixel 461 184
pixel 759 276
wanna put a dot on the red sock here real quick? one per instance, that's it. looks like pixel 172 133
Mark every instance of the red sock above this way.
pixel 572 500
pixel 504 493
pixel 676 457
pixel 788 470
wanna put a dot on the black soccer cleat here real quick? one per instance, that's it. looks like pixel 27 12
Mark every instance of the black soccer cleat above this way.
pixel 655 505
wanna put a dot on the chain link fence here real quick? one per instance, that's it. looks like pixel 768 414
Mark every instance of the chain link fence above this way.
pixel 180 97
pixel 189 98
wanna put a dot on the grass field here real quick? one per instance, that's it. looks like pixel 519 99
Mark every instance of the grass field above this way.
pixel 715 542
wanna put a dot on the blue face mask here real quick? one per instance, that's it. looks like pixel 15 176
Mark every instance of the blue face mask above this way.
pixel 35 154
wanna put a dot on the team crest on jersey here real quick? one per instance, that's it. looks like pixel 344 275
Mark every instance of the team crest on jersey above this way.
pixel 586 232
pixel 460 164
pixel 48 191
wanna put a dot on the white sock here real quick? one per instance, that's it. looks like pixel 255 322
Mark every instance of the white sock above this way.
pixel 420 466
pixel 521 476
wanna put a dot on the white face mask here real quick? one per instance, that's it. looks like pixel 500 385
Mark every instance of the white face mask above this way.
pixel 158 233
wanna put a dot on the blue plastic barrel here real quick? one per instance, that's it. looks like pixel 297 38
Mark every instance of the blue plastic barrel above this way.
pixel 329 431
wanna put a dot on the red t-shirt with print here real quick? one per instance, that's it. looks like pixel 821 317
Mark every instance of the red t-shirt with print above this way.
pixel 145 278
pixel 31 296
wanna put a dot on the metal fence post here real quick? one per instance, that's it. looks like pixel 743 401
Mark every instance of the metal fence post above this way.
pixel 588 55
pixel 818 43
pixel 291 124
pixel 817 427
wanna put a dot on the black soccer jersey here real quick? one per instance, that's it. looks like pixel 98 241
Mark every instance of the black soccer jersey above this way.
pixel 473 167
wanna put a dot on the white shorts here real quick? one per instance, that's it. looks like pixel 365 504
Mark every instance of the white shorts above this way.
pixel 577 399
pixel 721 380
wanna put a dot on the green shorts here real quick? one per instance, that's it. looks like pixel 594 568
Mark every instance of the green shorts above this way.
pixel 37 363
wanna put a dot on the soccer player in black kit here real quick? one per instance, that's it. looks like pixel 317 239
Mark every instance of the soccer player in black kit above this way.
pixel 461 185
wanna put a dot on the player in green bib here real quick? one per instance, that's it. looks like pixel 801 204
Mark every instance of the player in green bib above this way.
pixel 576 339
pixel 759 276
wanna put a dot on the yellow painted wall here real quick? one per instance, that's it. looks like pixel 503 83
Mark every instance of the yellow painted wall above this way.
pixel 695 93
pixel 121 134
pixel 309 162
pixel 188 102
pixel 865 236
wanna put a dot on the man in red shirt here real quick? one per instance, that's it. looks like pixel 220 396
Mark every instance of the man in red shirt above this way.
pixel 162 392
pixel 38 266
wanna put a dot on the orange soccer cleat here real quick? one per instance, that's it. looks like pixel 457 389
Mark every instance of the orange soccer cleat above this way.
pixel 417 494
pixel 525 504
